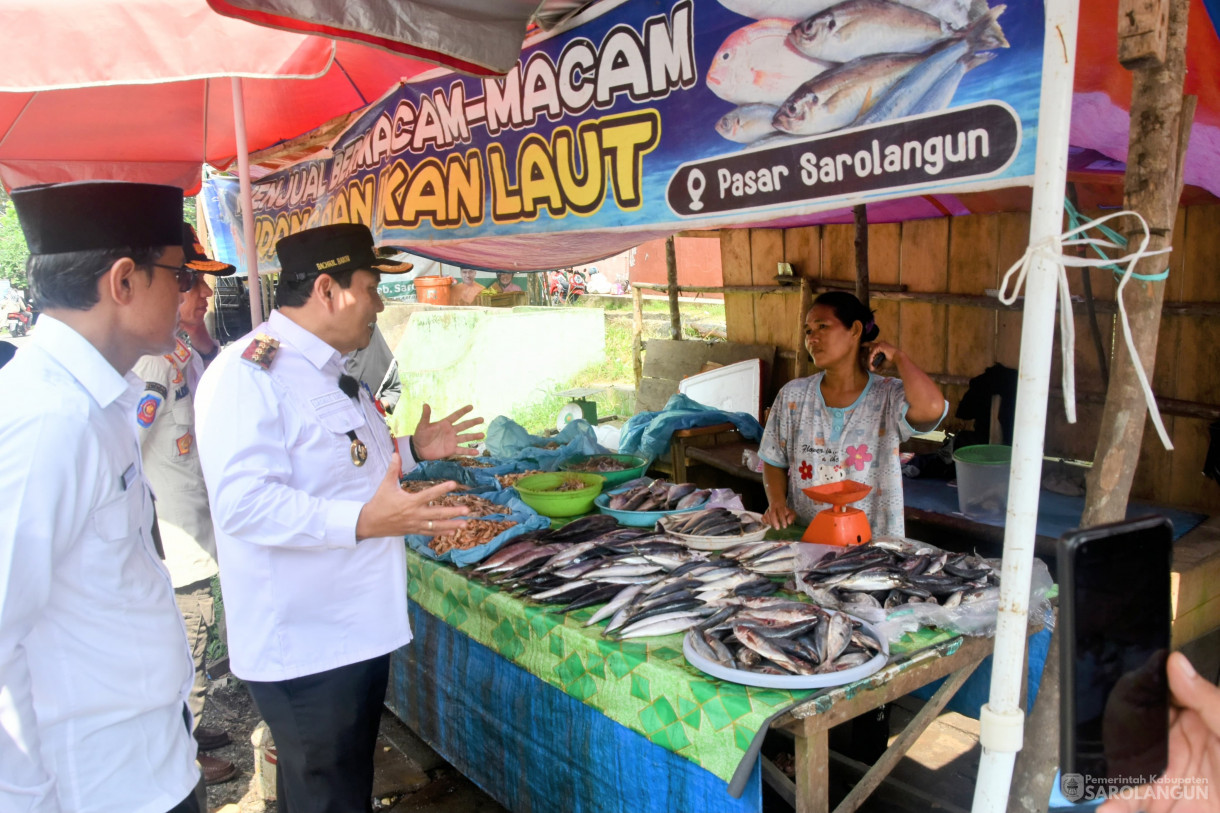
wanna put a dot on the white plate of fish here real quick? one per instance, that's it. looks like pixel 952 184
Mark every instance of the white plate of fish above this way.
pixel 715 528
pixel 775 650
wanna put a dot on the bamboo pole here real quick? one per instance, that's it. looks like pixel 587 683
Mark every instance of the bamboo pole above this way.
pixel 637 333
pixel 860 213
pixel 671 270
pixel 802 354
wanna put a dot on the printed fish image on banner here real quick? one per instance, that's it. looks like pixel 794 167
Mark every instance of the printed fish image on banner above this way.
pixel 865 61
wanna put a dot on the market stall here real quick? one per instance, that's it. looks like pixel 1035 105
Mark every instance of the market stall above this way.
pixel 549 700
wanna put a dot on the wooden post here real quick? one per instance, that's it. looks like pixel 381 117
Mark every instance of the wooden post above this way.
pixel 671 268
pixel 1160 129
pixel 637 334
pixel 802 354
pixel 861 213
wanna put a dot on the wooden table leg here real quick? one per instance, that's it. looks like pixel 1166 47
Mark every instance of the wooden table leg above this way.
pixel 903 742
pixel 813 769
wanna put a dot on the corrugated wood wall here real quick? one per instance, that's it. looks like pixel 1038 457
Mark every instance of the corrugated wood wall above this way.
pixel 969 255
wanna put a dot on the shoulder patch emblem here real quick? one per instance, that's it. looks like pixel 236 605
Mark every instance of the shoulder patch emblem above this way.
pixel 146 412
pixel 185 443
pixel 261 351
pixel 178 377
pixel 181 351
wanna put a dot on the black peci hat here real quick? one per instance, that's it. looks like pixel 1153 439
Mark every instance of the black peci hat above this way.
pixel 332 250
pixel 197 259
pixel 92 215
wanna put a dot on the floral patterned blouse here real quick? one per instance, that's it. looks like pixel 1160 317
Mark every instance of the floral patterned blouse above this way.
pixel 818 444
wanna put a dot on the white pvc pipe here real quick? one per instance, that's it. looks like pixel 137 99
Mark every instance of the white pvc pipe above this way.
pixel 247 202
pixel 1002 723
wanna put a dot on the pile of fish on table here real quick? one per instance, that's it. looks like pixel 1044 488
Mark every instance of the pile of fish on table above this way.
pixel 784 638
pixel 650 585
pixel 660 495
pixel 887 573
pixel 711 522
pixel 806 67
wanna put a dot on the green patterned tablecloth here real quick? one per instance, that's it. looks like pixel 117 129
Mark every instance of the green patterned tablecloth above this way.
pixel 644 684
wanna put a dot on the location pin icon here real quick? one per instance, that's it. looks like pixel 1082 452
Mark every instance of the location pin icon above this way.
pixel 695 184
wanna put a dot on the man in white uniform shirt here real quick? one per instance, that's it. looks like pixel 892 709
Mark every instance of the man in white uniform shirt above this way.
pixel 165 417
pixel 94 668
pixel 302 475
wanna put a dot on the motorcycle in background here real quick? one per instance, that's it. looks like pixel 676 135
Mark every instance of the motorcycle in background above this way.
pixel 565 286
pixel 19 321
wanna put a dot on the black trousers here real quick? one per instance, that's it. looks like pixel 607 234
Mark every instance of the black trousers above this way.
pixel 196 802
pixel 325 729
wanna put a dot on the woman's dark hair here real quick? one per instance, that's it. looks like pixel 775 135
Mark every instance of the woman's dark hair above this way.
pixel 849 310
pixel 296 293
pixel 69 280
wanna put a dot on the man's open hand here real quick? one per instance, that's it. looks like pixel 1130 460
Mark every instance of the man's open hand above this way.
pixel 445 437
pixel 395 512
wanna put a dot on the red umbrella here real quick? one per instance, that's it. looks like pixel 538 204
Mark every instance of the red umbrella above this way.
pixel 140 89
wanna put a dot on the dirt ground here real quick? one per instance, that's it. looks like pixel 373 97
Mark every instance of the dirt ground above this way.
pixel 408 775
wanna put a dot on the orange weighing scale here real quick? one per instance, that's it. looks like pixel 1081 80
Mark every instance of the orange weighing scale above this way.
pixel 840 524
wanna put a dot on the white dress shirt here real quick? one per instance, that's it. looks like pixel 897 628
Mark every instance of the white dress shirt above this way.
pixel 300 594
pixel 94 667
pixel 165 420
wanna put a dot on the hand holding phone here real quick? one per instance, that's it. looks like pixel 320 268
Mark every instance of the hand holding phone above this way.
pixel 1190 782
pixel 1115 625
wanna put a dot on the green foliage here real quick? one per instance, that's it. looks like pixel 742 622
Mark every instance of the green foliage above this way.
pixel 13 251
pixel 615 372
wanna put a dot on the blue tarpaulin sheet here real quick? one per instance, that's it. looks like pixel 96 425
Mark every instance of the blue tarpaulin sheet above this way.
pixel 648 433
pixel 533 747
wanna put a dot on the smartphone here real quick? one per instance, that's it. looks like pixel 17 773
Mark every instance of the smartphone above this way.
pixel 1114 612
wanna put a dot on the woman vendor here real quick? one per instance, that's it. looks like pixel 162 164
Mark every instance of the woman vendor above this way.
pixel 846 421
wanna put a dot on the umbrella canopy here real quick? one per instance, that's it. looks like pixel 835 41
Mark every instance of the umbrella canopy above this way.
pixel 126 89
pixel 472 36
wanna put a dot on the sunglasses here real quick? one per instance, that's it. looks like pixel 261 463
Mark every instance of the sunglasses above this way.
pixel 186 277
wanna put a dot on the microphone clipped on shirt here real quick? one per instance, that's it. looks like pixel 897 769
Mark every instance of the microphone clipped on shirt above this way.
pixel 351 388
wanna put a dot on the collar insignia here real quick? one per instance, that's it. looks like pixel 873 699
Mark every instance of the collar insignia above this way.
pixel 261 351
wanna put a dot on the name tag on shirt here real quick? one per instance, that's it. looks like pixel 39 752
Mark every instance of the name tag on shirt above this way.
pixel 337 412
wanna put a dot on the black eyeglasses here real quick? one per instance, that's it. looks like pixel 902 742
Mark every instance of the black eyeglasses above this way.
pixel 186 277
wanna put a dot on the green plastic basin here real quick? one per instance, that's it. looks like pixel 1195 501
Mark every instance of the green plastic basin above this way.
pixel 537 491
pixel 637 466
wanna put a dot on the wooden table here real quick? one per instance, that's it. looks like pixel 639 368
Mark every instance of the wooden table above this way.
pixel 811 722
